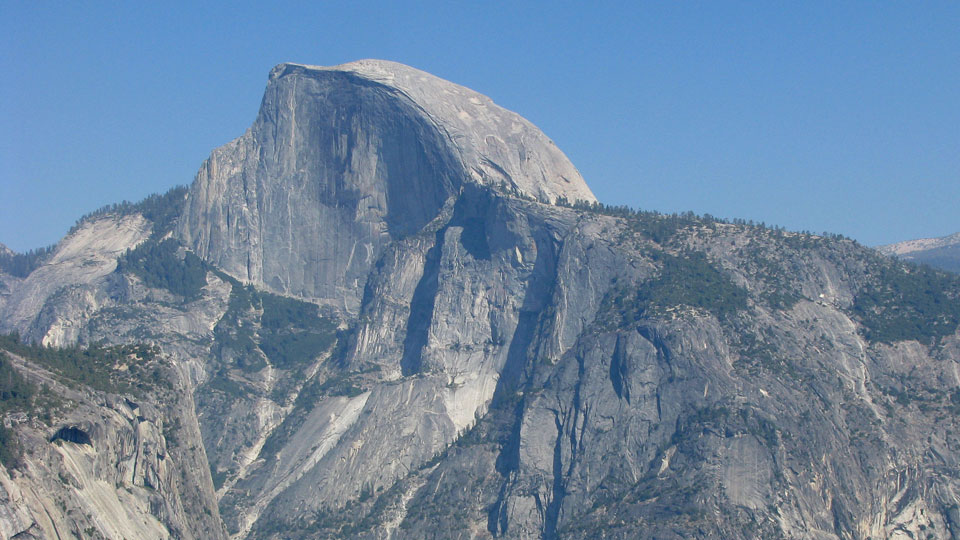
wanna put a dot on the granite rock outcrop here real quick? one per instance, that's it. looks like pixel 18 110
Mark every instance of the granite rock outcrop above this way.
pixel 392 309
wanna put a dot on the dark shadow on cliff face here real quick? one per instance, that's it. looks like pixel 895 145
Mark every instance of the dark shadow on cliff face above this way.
pixel 72 434
pixel 421 310
pixel 518 370
pixel 620 371
pixel 651 334
pixel 471 213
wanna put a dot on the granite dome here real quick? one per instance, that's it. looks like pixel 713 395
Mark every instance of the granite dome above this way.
pixel 496 146
pixel 371 150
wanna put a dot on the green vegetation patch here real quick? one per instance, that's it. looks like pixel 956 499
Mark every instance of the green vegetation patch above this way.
pixel 688 279
pixel 660 228
pixel 11 451
pixel 115 369
pixel 16 393
pixel 906 302
pixel 291 332
pixel 21 264
pixel 235 330
pixel 160 266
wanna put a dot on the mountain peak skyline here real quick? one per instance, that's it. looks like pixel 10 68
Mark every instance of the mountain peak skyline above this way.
pixel 815 117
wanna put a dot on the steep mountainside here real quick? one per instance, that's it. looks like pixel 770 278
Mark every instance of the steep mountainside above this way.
pixel 96 451
pixel 392 309
pixel 943 252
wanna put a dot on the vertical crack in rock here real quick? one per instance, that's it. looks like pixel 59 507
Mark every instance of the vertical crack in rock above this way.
pixel 553 509
pixel 517 370
pixel 619 372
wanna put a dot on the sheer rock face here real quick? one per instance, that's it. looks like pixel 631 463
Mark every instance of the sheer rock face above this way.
pixel 496 147
pixel 447 322
pixel 342 160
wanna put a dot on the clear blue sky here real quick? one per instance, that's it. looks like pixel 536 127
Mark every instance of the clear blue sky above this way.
pixel 812 115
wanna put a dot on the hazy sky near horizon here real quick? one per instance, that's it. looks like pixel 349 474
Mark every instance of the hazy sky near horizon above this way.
pixel 822 116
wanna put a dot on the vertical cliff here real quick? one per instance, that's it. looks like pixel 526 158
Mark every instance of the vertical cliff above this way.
pixel 340 161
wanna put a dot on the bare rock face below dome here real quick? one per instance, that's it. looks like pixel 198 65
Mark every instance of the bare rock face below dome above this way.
pixel 343 160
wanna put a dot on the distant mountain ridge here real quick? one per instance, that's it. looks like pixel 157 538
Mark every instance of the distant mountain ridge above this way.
pixel 942 252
